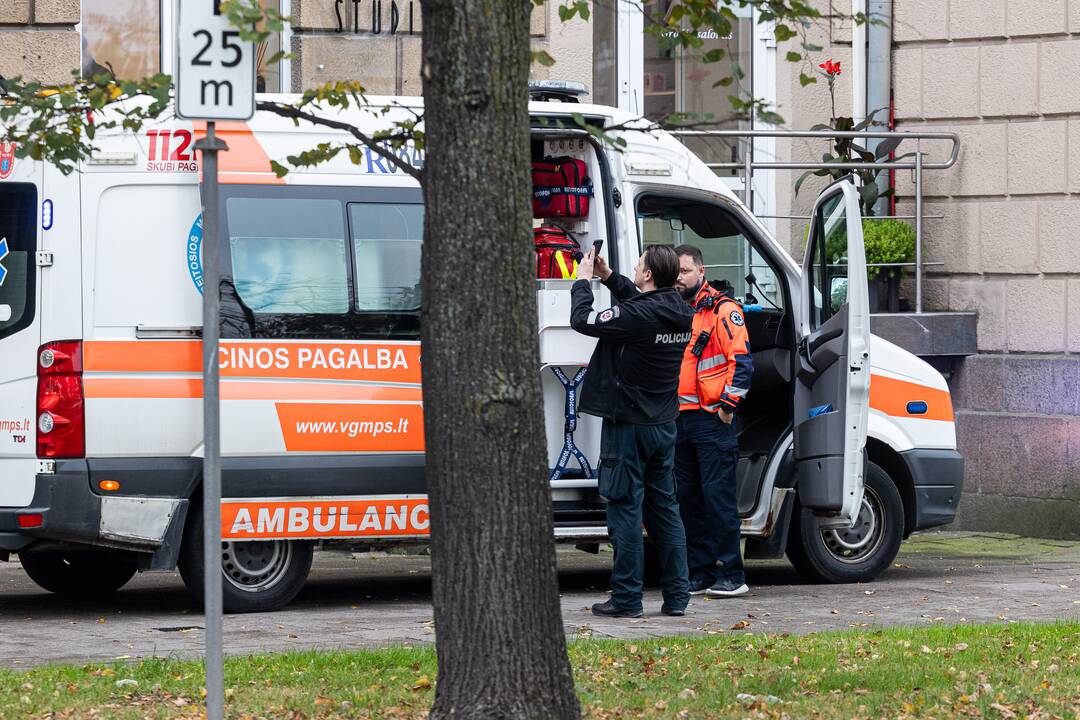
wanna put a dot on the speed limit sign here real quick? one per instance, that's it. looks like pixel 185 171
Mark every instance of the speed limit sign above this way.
pixel 215 70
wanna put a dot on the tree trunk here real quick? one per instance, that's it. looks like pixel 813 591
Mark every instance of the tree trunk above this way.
pixel 500 639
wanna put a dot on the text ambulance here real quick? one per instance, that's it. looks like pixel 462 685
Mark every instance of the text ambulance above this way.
pixel 322 420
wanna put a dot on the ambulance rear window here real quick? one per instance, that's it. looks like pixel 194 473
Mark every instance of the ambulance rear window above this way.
pixel 18 238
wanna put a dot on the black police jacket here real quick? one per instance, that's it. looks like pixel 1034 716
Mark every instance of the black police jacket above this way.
pixel 633 374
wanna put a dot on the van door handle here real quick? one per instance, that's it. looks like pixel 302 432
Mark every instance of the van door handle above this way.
pixel 165 332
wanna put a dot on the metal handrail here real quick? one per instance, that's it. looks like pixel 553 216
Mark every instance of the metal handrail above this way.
pixel 917 164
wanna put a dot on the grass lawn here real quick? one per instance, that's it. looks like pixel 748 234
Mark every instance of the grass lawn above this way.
pixel 988 671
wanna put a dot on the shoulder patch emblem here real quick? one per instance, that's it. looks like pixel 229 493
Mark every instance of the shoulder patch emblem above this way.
pixel 607 316
pixel 736 317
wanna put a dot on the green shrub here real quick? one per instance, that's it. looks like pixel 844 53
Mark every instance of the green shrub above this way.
pixel 886 241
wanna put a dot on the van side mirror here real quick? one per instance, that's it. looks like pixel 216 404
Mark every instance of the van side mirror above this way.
pixel 5 313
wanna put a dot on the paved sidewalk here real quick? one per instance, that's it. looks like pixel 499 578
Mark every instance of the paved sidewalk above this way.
pixel 373 600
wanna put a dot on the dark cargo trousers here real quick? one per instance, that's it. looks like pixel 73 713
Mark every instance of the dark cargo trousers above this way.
pixel 706 458
pixel 637 476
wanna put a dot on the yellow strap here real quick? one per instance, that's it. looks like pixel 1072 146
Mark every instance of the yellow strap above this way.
pixel 565 272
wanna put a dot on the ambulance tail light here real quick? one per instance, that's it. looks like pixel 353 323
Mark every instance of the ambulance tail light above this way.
pixel 61 427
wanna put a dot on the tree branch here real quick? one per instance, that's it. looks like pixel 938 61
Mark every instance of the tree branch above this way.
pixel 371 143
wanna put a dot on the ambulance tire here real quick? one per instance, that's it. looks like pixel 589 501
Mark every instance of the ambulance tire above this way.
pixel 81 573
pixel 857 555
pixel 257 576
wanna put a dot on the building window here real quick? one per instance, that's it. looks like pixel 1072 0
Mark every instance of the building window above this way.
pixel 123 36
pixel 268 78
pixel 605 89
pixel 135 39
pixel 678 83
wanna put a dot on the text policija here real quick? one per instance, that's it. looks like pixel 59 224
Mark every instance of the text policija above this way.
pixel 402 15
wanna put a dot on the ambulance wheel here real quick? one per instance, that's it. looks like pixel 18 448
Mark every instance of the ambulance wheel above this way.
pixel 858 554
pixel 257 576
pixel 86 573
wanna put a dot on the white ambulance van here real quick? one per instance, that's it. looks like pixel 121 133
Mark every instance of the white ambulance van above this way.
pixel 847 442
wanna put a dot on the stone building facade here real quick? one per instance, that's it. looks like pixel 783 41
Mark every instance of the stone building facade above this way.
pixel 1004 74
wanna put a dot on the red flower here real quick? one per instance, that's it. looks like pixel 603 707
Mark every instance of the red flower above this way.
pixel 832 69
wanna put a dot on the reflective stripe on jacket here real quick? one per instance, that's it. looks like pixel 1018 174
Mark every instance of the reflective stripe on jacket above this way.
pixel 720 376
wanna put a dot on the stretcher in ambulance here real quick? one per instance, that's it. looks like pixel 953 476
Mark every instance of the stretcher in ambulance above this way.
pixel 847 442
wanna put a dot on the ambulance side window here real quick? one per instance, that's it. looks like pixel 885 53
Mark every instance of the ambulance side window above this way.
pixel 18 239
pixel 387 241
pixel 289 255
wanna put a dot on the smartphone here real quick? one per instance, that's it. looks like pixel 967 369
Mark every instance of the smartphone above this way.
pixel 597 244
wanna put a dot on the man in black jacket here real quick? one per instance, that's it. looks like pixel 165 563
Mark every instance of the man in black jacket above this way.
pixel 632 383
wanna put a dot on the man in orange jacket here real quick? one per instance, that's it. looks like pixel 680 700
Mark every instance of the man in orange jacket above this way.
pixel 713 381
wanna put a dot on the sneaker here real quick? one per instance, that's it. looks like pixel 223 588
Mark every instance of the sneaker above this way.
pixel 727 588
pixel 698 587
pixel 609 609
pixel 672 611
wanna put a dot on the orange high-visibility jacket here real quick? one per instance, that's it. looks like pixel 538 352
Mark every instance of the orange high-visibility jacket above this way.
pixel 716 368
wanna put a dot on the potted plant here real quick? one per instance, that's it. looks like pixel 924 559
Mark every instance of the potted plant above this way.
pixel 886 241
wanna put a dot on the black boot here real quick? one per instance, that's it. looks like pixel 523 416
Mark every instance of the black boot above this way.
pixel 609 609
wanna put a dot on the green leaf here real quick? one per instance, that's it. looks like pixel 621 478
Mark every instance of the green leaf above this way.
pixel 805 79
pixel 714 55
pixel 770 118
pixel 793 56
pixel 802 178
pixel 724 82
pixel 543 57
pixel 279 169
pixel 783 33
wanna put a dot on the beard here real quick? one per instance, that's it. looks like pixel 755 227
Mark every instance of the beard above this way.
pixel 689 293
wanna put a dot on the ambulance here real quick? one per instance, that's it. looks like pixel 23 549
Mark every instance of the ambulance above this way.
pixel 847 442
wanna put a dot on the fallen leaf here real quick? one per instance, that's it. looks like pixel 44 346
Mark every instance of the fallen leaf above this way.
pixel 687 694
pixel 660 705
pixel 740 625
pixel 422 684
pixel 960 647
pixel 1006 712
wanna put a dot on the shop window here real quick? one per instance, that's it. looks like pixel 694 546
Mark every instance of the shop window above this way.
pixel 605 53
pixel 268 78
pixel 289 255
pixel 121 35
pixel 134 39
pixel 679 85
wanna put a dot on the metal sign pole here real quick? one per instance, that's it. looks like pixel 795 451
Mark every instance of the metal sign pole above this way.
pixel 215 670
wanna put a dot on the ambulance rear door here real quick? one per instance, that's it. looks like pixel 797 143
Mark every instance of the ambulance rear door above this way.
pixel 21 191
pixel 832 385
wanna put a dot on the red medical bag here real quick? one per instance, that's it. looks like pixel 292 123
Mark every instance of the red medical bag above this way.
pixel 561 188
pixel 556 253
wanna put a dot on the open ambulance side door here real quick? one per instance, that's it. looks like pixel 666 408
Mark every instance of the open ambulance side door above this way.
pixel 832 383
